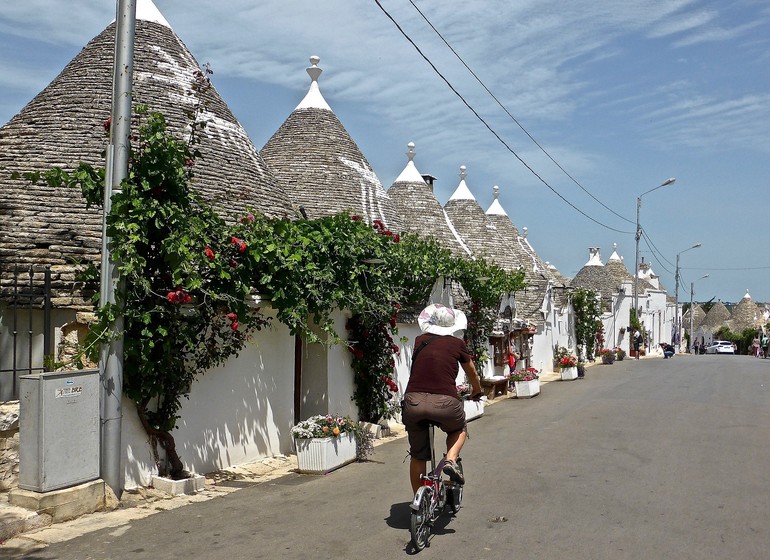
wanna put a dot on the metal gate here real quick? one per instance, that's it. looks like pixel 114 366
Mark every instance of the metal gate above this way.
pixel 21 296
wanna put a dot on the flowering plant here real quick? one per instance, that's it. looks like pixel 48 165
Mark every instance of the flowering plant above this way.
pixel 606 352
pixel 321 426
pixel 619 352
pixel 529 374
pixel 568 361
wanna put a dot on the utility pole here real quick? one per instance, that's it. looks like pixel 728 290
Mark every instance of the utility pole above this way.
pixel 111 358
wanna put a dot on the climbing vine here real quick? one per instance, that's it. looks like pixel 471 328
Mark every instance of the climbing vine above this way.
pixel 587 320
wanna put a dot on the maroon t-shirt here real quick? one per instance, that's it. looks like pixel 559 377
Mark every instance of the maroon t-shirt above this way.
pixel 435 369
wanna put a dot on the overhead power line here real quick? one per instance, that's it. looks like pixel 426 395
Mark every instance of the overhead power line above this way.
pixel 514 119
pixel 484 122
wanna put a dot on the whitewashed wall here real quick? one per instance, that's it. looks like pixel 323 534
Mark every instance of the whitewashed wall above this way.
pixel 237 413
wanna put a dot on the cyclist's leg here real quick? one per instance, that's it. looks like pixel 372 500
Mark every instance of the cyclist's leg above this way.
pixel 419 447
pixel 454 443
pixel 416 472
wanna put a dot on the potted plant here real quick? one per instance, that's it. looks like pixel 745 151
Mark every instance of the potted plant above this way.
pixel 619 353
pixel 607 355
pixel 568 368
pixel 558 354
pixel 526 382
pixel 473 409
pixel 326 442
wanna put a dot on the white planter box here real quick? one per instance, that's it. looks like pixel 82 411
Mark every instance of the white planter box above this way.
pixel 473 409
pixel 527 389
pixel 321 455
pixel 568 374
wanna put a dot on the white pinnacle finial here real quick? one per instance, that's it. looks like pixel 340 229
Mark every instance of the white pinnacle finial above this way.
pixel 524 231
pixel 314 99
pixel 496 191
pixel 314 71
pixel 463 172
pixel 614 246
pixel 410 151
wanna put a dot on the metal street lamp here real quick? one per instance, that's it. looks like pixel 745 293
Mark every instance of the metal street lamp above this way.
pixel 638 236
pixel 677 327
pixel 692 290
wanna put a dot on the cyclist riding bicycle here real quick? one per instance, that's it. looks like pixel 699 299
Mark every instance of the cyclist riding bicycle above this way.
pixel 431 394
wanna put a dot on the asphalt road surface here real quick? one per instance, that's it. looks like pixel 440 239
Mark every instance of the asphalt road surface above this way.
pixel 648 459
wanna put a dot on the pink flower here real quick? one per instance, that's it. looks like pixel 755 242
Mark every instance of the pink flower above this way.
pixel 247 218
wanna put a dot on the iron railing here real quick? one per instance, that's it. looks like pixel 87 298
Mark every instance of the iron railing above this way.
pixel 23 297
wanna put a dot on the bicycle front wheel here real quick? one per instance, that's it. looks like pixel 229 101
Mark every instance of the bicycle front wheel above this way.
pixel 421 518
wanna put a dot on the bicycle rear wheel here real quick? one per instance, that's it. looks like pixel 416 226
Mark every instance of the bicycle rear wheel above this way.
pixel 420 521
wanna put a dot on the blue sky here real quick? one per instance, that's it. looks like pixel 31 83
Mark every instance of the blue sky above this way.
pixel 622 94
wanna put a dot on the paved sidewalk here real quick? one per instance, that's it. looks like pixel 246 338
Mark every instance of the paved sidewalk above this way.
pixel 26 530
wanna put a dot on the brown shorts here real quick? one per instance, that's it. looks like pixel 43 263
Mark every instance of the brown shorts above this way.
pixel 421 408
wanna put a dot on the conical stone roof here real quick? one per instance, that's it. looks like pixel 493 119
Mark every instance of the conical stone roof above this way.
pixel 420 211
pixel 537 275
pixel 746 315
pixel 717 316
pixel 594 276
pixel 697 319
pixel 617 268
pixel 63 125
pixel 321 167
pixel 478 232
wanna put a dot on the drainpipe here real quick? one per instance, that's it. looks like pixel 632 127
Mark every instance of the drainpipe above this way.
pixel 111 358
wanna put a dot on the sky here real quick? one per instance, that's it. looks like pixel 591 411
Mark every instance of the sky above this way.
pixel 576 110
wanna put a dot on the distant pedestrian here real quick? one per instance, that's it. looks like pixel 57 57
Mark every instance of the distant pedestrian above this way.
pixel 764 345
pixel 637 342
pixel 755 347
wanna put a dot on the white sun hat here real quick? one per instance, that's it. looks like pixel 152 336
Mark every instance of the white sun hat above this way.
pixel 442 320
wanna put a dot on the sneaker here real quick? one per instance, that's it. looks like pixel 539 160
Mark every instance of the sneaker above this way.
pixel 453 472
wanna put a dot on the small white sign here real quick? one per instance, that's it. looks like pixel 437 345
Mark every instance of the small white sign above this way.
pixel 68 392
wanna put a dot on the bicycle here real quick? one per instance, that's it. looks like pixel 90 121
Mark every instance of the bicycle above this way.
pixel 432 497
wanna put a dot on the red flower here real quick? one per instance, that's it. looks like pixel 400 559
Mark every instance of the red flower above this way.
pixel 242 247
pixel 358 353
pixel 393 321
pixel 209 253
pixel 356 218
pixel 396 238
pixel 247 218
pixel 234 326
pixel 233 317
pixel 233 263
pixel 171 297
pixel 107 125
pixel 189 162
pixel 234 241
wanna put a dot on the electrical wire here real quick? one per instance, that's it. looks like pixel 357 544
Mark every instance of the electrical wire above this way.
pixel 484 122
pixel 514 119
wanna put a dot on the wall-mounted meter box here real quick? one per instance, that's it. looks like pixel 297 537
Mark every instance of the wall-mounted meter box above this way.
pixel 58 429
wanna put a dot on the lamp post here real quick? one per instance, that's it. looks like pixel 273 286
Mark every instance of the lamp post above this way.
pixel 677 328
pixel 692 290
pixel 638 236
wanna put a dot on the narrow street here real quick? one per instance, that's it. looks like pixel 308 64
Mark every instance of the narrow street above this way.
pixel 645 459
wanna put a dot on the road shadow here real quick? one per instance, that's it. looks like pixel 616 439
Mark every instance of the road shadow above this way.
pixel 400 516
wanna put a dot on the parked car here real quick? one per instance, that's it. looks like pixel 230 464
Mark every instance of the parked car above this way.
pixel 720 347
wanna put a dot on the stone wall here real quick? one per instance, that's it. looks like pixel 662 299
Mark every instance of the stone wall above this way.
pixel 9 446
